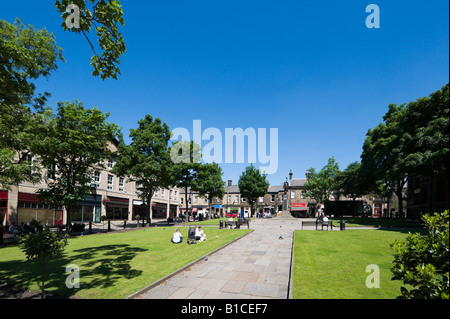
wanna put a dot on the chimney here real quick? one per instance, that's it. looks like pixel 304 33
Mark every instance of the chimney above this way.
pixel 290 175
pixel 229 182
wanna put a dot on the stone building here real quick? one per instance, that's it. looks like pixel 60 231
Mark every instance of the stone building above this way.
pixel 113 197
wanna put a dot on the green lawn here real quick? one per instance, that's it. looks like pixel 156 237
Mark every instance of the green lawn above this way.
pixel 112 265
pixel 332 264
pixel 378 222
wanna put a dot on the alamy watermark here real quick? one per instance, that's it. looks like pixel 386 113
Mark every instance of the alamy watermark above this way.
pixel 373 280
pixel 373 19
pixel 73 279
pixel 221 148
pixel 73 19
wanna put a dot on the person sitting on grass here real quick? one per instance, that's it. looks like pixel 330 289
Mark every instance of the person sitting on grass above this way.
pixel 177 237
pixel 200 234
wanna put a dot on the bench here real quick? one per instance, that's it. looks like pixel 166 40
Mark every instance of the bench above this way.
pixel 316 223
pixel 242 221
pixel 237 224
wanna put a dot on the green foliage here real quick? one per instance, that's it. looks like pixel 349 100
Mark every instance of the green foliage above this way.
pixel 41 245
pixel 209 181
pixel 147 160
pixel 105 17
pixel 320 185
pixel 252 184
pixel 422 261
pixel 26 54
pixel 75 141
pixel 413 138
pixel 186 156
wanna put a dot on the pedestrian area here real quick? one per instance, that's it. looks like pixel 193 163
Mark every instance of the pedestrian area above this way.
pixel 255 266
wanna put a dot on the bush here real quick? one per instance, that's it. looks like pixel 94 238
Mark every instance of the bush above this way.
pixel 41 245
pixel 422 261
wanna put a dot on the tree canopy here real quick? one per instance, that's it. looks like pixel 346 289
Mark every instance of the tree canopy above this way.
pixel 252 184
pixel 105 16
pixel 147 161
pixel 413 138
pixel 26 54
pixel 73 146
pixel 320 185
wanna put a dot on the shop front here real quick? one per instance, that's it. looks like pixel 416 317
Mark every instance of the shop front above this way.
pixel 88 210
pixel 299 210
pixel 3 208
pixel 116 208
pixel 159 210
pixel 30 207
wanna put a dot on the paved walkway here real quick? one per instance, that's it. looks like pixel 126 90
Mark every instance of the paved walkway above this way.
pixel 256 266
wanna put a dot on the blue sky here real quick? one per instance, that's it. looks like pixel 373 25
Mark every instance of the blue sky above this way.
pixel 311 69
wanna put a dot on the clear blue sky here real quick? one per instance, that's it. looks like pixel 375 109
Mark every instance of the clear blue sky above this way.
pixel 312 69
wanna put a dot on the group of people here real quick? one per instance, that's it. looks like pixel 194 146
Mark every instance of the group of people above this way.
pixel 178 237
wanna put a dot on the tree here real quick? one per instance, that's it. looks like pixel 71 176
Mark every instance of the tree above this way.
pixel 320 185
pixel 422 261
pixel 412 138
pixel 186 156
pixel 105 16
pixel 350 181
pixel 40 246
pixel 26 54
pixel 252 184
pixel 209 182
pixel 146 161
pixel 73 147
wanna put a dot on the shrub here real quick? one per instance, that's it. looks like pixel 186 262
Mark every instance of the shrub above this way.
pixel 422 261
pixel 41 245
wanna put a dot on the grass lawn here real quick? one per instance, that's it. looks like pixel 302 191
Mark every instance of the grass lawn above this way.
pixel 332 264
pixel 379 222
pixel 112 265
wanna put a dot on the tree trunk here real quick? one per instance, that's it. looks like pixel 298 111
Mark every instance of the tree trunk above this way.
pixel 149 210
pixel 186 202
pixel 43 278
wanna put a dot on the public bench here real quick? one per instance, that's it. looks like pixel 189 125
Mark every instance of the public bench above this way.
pixel 237 224
pixel 243 221
pixel 317 222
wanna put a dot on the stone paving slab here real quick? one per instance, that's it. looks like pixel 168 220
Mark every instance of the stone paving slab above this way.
pixel 256 266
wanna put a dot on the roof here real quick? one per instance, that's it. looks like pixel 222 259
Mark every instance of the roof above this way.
pixel 297 182
pixel 275 189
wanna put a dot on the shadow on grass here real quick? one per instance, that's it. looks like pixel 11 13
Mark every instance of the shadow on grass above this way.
pixel 100 267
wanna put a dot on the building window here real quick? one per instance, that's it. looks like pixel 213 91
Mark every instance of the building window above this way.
pixel 236 198
pixel 111 162
pixel 272 198
pixel 261 199
pixel 97 179
pixel 121 184
pixel 181 200
pixel 51 172
pixel 292 194
pixel 110 181
pixel 229 199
